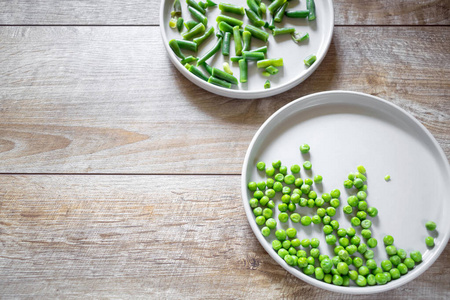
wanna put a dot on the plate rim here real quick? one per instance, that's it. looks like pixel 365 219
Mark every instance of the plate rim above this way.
pixel 339 289
pixel 244 94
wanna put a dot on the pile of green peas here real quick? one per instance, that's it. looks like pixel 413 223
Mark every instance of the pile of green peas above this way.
pixel 353 260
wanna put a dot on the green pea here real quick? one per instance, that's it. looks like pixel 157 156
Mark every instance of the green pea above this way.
pixel 335 193
pixel 372 211
pixel 311 203
pixel 355 240
pixel 253 202
pixel 283 252
pixel 353 274
pixel 371 280
pixel 322 257
pixel 280 234
pixel 401 253
pixel 267 213
pixel 306 220
pixel 271 223
pixel 348 261
pixel 326 220
pixel 361 169
pixel 430 225
pixel 366 233
pixel 295 243
pixel 337 280
pixel 252 186
pixel 358 183
pixel 387 177
pixel 309 181
pixel 282 207
pixel 319 202
pixel 326 265
pixel 416 256
pixel 302 262
pixel 386 265
pixel 277 186
pixel 355 221
pixel 351 231
pixel 343 254
pixel 357 262
pixel 361 280
pixel 303 202
pixel 276 164
pixel 270 182
pixel 291 232
pixel 360 176
pixel 342 268
pixel 258 195
pixel 330 239
pixel 295 169
pixel 366 224
pixel 309 270
pixel 347 209
pixel 377 270
pixel 402 268
pixel 265 231
pixel 264 200
pixel 261 165
pixel 286 244
pixel 351 176
pixel 320 211
pixel 326 197
pixel 261 185
pixel 301 253
pixel 361 215
pixel 270 193
pixel 276 245
pixel 307 165
pixel 361 195
pixel 306 242
pixel 395 260
pixel 369 254
pixel 362 205
pixel 279 177
pixel 335 202
pixel 286 198
pixel 380 278
pixel 271 204
pixel 331 211
pixel 298 182
pixel 335 261
pixel 344 242
pixel 371 264
pixel 305 188
pixel 289 179
pixel 283 217
pixel 395 273
pixel 316 219
pixel 318 179
pixel 257 211
pixel 304 148
pixel 362 248
pixel 334 224
pixel 409 262
pixel 314 252
pixel 260 220
pixel 312 195
pixel 311 260
pixel 270 171
pixel 372 243
pixel 283 170
pixel 289 260
pixel 318 272
pixel 295 198
pixel 388 240
pixel 363 270
pixel 341 232
pixel 429 241
pixel 337 249
pixel 295 217
pixel 348 184
pixel 391 250
pixel 352 201
pixel 328 278
pixel 327 229
pixel 351 249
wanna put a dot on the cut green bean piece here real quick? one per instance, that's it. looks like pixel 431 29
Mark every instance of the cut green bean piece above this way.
pixel 231 8
pixel 224 76
pixel 176 9
pixel 230 20
pixel 176 49
pixel 276 62
pixel 312 9
pixel 219 82
pixel 196 30
pixel 263 8
pixel 194 70
pixel 265 74
pixel 247 38
pixel 188 45
pixel 237 40
pixel 253 55
pixel 202 4
pixel 271 25
pixel 262 49
pixel 255 7
pixel 226 44
pixel 209 3
pixel 301 14
pixel 243 70
pixel 299 36
pixel 310 60
pixel 198 15
pixel 195 5
pixel 272 70
pixel 225 27
pixel 180 24
pixel 267 84
pixel 280 13
pixel 226 68
pixel 190 24
pixel 257 33
pixel 211 52
pixel 280 31
pixel 173 23
pixel 204 37
pixel 273 7
pixel 254 18
pixel 236 58
pixel 207 68
pixel 189 59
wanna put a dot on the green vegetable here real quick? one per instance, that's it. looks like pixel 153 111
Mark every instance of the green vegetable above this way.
pixel 277 62
pixel 230 8
pixel 280 31
pixel 307 165
pixel 194 70
pixel 180 24
pixel 312 9
pixel 257 33
pixel 219 82
pixel 176 49
pixel 224 76
pixel 254 18
pixel 430 225
pixel 372 211
pixel 272 70
pixel 280 13
pixel 309 60
pixel 190 24
pixel 416 256
pixel 387 177
pixel 204 37
pixel 273 7
pixel 195 5
pixel 188 45
pixel 225 27
pixel 297 13
pixel 271 223
pixel 199 16
pixel 210 3
pixel 229 20
pixel 267 84
pixel 361 280
pixel 388 240
pixel 249 55
pixel 306 220
pixel 243 70
pixel 265 231
pixel 176 9
pixel 246 38
pixel 194 31
pixel 255 8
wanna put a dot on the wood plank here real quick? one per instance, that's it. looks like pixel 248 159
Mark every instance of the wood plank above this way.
pixel 107 99
pixel 141 12
pixel 139 236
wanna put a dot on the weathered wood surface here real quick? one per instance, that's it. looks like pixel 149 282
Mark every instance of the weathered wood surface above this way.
pixel 108 100
pixel 142 12
pixel 88 236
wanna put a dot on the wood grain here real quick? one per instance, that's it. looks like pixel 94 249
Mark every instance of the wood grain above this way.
pixel 108 100
pixel 141 12
pixel 147 236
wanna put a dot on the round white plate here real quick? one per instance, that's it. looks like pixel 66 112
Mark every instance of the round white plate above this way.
pixel 291 74
pixel 344 130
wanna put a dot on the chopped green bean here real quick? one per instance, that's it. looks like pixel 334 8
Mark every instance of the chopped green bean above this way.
pixel 272 70
pixel 230 20
pixel 231 8
pixel 176 8
pixel 198 15
pixel 310 60
pixel 190 24
pixel 253 55
pixel 280 12
pixel 180 24
pixel 237 40
pixel 194 31
pixel 262 49
pixel 236 58
pixel 176 49
pixel 226 44
pixel 211 52
pixel 188 45
pixel 204 37
pixel 188 60
pixel 246 38
pixel 273 7
pixel 280 31
pixel 210 3
pixel 225 27
pixel 224 76
pixel 254 18
pixel 312 9
pixel 297 13
pixel 219 82
pixel 299 36
pixel 243 70
pixel 257 33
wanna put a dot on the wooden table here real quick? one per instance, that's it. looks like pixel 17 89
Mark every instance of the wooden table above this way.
pixel 115 184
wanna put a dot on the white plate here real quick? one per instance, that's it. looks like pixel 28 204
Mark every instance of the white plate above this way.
pixel 344 130
pixel 294 70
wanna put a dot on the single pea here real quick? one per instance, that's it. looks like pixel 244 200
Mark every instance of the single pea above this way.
pixel 361 281
pixel 351 176
pixel 295 217
pixel 347 209
pixel 371 264
pixel 276 164
pixel 362 205
pixel 265 231
pixel 337 280
pixel 348 261
pixel 409 262
pixel 335 193
pixel 315 242
pixel 303 202
pixel 314 252
pixel 363 270
pixel 401 253
pixel 289 179
pixel 335 202
pixel 283 217
pixel 253 202
pixel 361 169
pixel 342 268
pixel 402 268
pixel 297 191
pixel 348 184
pixel 395 260
pixel 357 262
pixel 416 256
pixel 261 165
pixel 366 224
pixel 351 231
pixel 280 234
pixel 271 204
pixel 356 240
pixel 351 249
pixel 388 240
pixel 295 169
pixel 388 276
pixel 353 274
pixel 363 188
pixel 346 280
pixel 360 176
pixel 372 211
pixel 381 278
pixel 337 249
pixel 331 211
pixel 264 200
pixel 318 179
pixel 361 215
pixel 386 265
pixel 298 182
pixel 282 207
pixel 326 265
pixel 387 177
pixel 369 254
pixel 391 250
pixel 291 232
pixel 271 223
pixel 371 280
pixel 307 165
pixel 295 243
pixel 341 232
pixel 361 195
pixel 270 193
pixel 372 242
pixel 309 270
pixel 267 213
pixel 261 185
pixel 322 257
pixel 311 203
pixel 289 260
pixel 279 177
pixel 302 253
pixel 269 183
pixel 344 242
pixel 305 188
pixel 377 270
pixel 283 252
pixel 358 183
pixel 295 198
pixel 252 186
pixel 328 278
pixel 302 262
pixel 429 241
pixel 316 219
pixel 306 220
pixel 311 260
pixel 355 221
pixel 312 195
pixel 277 186
pixel 326 197
pixel 327 229
pixel 319 202
pixel 366 233
pixel 352 201
pixel 395 273
pixel 304 148
pixel 270 171
pixel 286 244
pixel 335 261
pixel 334 224
pixel 309 181
pixel 257 211
pixel 430 225
pixel 318 272
pixel 286 190
pixel 291 207
pixel 343 254
pixel 326 220
pixel 330 239
pixel 362 248
pixel 276 245
pixel 283 170
pixel 306 243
